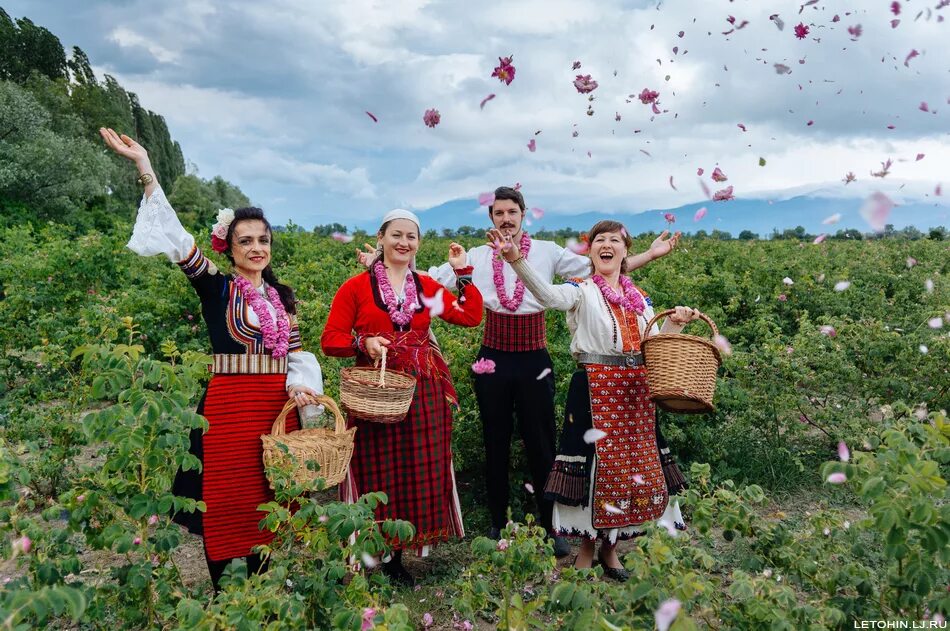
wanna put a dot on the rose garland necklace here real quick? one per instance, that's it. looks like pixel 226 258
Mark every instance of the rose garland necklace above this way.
pixel 276 337
pixel 630 299
pixel 512 303
pixel 400 315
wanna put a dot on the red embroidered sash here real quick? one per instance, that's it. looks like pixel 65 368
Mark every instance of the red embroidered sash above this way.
pixel 416 353
pixel 515 332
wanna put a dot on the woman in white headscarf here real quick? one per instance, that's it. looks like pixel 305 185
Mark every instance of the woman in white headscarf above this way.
pixel 391 306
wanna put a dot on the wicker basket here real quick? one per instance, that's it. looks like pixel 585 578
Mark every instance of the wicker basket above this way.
pixel 330 448
pixel 375 395
pixel 681 369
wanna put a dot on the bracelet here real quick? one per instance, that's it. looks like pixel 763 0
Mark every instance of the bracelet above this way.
pixel 145 179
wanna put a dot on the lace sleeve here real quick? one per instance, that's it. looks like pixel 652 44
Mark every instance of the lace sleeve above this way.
pixel 158 230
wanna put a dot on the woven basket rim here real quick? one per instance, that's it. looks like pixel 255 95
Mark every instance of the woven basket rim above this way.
pixel 684 337
pixel 350 375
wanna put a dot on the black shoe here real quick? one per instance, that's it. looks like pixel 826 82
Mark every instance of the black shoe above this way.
pixel 494 533
pixel 562 547
pixel 398 573
pixel 619 574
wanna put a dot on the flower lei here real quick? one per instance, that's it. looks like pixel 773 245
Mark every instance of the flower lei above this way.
pixel 400 316
pixel 219 231
pixel 631 298
pixel 511 304
pixel 276 338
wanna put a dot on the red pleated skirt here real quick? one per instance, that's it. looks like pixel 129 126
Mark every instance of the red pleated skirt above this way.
pixel 239 408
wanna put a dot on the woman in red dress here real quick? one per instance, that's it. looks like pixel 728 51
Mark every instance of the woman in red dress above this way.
pixel 391 306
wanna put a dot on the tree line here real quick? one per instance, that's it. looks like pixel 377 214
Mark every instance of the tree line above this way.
pixel 52 167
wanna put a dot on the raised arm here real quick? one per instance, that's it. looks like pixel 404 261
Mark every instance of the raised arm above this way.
pixel 157 228
pixel 660 247
pixel 560 297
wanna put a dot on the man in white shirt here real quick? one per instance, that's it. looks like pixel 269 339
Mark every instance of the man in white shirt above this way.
pixel 515 339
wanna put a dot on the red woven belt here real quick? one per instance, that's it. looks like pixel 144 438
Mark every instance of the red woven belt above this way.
pixel 515 332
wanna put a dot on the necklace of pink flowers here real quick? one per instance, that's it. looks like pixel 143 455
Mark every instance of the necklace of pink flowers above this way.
pixel 512 303
pixel 631 298
pixel 400 315
pixel 276 337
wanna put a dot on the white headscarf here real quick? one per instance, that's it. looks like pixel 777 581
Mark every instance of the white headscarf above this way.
pixel 402 213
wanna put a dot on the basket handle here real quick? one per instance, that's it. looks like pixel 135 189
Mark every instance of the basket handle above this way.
pixel 702 316
pixel 280 423
pixel 382 369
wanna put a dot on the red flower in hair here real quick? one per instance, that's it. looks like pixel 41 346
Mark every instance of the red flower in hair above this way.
pixel 218 244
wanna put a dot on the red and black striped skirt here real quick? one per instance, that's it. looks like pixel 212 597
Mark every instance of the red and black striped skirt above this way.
pixel 239 408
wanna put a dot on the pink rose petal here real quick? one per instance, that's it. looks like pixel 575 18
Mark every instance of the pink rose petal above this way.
pixel 486 199
pixel 537 213
pixel 544 373
pixel 832 219
pixel 700 214
pixel 342 238
pixel 723 195
pixel 529 487
pixel 431 117
pixel 532 145
pixel 913 53
pixel 722 344
pixel 718 175
pixel 876 210
pixel 844 455
pixel 488 98
pixel 666 614
pixel 673 186
pixel 699 171
pixel 837 478
pixel 820 239
pixel 483 366
pixel 370 114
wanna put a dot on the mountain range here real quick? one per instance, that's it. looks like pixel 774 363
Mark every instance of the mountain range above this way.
pixel 758 215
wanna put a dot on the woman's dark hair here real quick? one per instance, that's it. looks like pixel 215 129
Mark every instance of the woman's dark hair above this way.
pixel 609 225
pixel 506 192
pixel 284 291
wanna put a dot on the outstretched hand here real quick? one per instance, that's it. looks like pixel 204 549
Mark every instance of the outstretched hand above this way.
pixel 662 246
pixel 457 258
pixel 502 243
pixel 124 146
pixel 365 258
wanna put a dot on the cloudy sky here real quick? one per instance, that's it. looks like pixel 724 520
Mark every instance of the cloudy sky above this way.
pixel 273 95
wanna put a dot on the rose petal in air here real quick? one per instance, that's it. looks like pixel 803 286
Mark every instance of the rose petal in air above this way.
pixel 876 209
pixel 532 145
pixel 782 69
pixel 742 127
pixel 592 435
pixel 577 247
pixel 544 373
pixel 718 175
pixel 913 53
pixel 486 199
pixel 920 157
pixel 923 107
pixel 483 366
pixel 342 238
pixel 370 114
pixel 832 219
pixel 700 214
pixel 368 561
pixel 820 239
pixel 673 186
pixel 837 478
pixel 529 487
pixel 724 195
pixel 436 304
pixel 722 344
pixel 844 454
pixel 699 171
pixel 488 98
pixel 666 614
pixel 537 213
